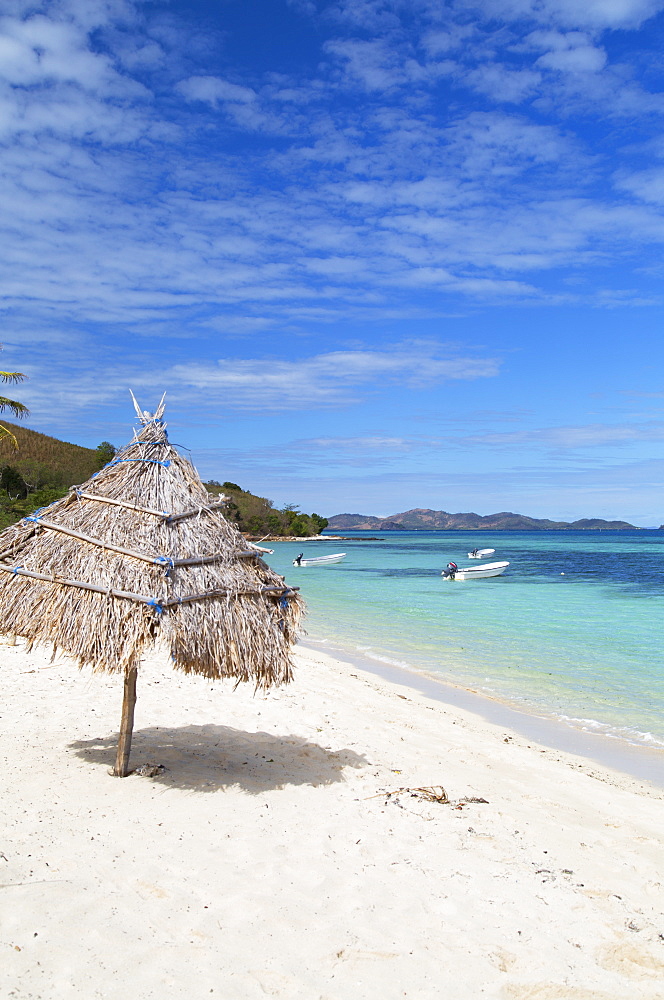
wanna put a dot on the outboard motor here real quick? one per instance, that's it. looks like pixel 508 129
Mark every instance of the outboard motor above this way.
pixel 450 571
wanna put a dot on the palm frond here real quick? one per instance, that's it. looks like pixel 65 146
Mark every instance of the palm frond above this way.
pixel 12 376
pixel 18 409
pixel 6 435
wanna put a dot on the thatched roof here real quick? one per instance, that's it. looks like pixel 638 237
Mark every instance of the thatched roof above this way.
pixel 141 553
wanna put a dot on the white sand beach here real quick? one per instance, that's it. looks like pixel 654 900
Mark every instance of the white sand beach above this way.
pixel 268 860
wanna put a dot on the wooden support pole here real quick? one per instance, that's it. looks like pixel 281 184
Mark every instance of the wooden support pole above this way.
pixel 121 769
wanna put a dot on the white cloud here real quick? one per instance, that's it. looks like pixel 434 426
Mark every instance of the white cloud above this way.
pixel 332 266
pixel 375 64
pixel 503 84
pixel 326 380
pixel 570 52
pixel 578 59
pixel 360 444
pixel 135 54
pixel 375 15
pixel 243 105
pixel 597 14
pixel 648 185
pixel 438 42
pixel 212 90
pixel 46 50
pixel 499 144
pixel 571 438
pixel 600 14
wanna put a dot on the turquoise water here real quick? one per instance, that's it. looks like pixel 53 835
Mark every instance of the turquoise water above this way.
pixel 573 630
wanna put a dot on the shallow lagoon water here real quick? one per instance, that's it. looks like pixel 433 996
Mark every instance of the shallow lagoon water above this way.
pixel 574 629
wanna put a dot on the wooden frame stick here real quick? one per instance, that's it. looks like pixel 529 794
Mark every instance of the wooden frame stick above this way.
pixel 142 598
pixel 52 526
pixel 196 510
pixel 120 503
pixel 133 554
pixel 216 505
pixel 62 582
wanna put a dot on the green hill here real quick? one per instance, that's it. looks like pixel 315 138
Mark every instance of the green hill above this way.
pixel 45 461
pixel 41 471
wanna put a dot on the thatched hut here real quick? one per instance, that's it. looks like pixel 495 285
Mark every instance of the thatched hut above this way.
pixel 141 553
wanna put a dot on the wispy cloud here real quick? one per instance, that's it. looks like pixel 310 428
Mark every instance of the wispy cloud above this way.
pixel 598 14
pixel 58 394
pixel 333 379
pixel 360 443
pixel 570 438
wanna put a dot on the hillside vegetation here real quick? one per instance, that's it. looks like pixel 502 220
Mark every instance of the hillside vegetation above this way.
pixel 258 516
pixel 44 461
pixel 44 468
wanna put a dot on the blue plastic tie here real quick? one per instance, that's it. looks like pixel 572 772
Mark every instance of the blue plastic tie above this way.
pixel 16 569
pixel 165 561
pixel 35 514
pixel 156 605
pixel 150 461
pixel 283 601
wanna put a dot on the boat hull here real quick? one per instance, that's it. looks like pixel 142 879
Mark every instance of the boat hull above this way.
pixel 483 572
pixel 321 560
pixel 481 553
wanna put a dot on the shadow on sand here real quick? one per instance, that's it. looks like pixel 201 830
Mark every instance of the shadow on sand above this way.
pixel 211 758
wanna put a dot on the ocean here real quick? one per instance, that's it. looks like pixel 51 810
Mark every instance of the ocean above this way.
pixel 573 631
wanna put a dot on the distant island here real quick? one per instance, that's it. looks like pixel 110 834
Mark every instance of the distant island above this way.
pixel 422 519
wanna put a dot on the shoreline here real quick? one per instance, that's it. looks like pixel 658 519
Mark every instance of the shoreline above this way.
pixel 633 760
pixel 591 694
pixel 306 538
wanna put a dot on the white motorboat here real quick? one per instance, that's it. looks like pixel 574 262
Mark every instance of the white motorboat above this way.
pixel 320 560
pixel 480 553
pixel 475 572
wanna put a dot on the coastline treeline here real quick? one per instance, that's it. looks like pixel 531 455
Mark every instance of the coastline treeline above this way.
pixel 258 516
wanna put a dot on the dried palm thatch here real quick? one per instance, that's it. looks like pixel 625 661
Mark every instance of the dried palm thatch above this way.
pixel 139 554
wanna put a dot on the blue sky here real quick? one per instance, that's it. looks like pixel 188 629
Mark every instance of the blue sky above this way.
pixel 380 253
